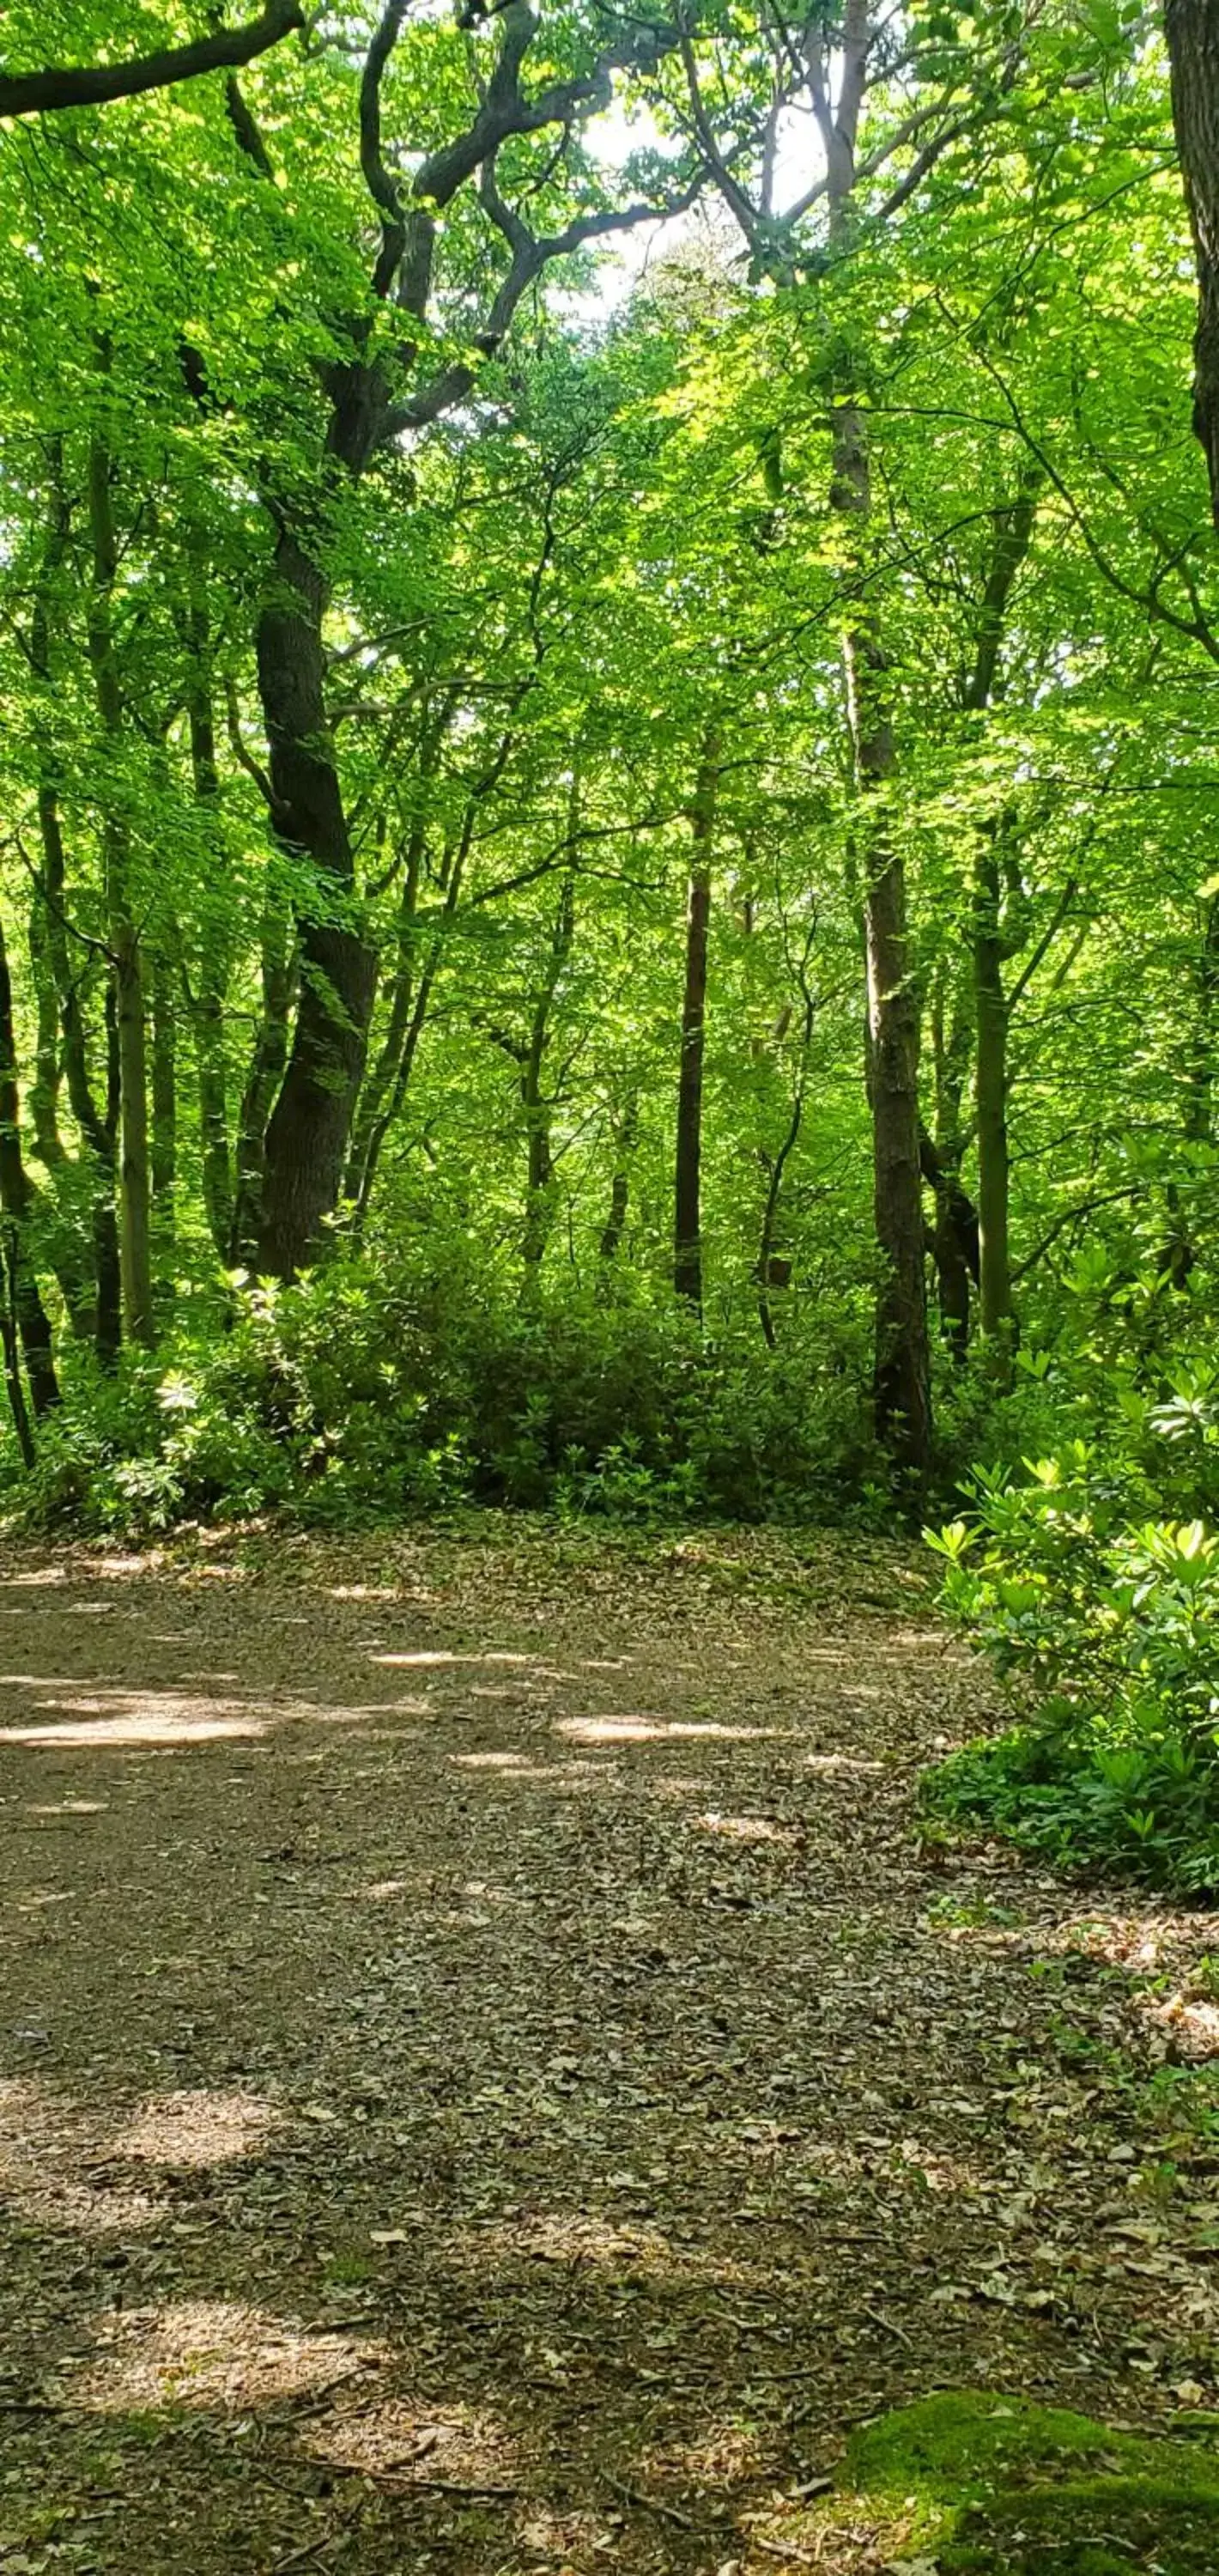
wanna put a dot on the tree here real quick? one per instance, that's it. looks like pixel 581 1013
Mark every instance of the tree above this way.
pixel 44 93
pixel 1193 46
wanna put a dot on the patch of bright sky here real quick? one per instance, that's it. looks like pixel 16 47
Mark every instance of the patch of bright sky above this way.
pixel 626 257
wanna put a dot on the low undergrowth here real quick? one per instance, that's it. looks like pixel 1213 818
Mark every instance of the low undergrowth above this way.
pixel 1091 1578
pixel 349 1397
pixel 971 2484
pixel 998 2485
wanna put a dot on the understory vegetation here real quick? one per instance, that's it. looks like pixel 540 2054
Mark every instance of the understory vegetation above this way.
pixel 1092 1577
pixel 998 2488
pixel 608 635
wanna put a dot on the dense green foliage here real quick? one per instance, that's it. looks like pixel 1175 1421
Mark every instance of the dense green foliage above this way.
pixel 587 838
pixel 1092 1577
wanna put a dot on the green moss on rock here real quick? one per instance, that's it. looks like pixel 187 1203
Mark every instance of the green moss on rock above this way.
pixel 987 2486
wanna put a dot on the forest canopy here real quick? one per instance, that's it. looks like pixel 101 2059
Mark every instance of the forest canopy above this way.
pixel 607 875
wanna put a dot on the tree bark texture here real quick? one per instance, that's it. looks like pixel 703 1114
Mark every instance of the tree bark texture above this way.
pixel 995 1281
pixel 267 1061
pixel 164 1088
pixel 17 1199
pixel 626 1136
pixel 135 1252
pixel 207 1001
pixel 991 948
pixel 94 85
pixel 1192 28
pixel 902 1378
pixel 687 1211
pixel 903 1367
pixel 306 1142
pixel 539 1197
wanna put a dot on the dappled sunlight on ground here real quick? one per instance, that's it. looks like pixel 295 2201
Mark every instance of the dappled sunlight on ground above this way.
pixel 1192 2027
pixel 68 1807
pixel 513 1770
pixel 492 2130
pixel 1117 1939
pixel 568 2539
pixel 622 2252
pixel 490 1761
pixel 747 1829
pixel 199 2129
pixel 212 2352
pixel 831 1762
pixel 576 2237
pixel 53 2168
pixel 414 2437
pixel 646 1730
pixel 727 2454
pixel 101 1720
pixel 61 2161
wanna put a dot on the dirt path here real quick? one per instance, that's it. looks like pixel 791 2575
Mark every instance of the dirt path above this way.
pixel 494 2083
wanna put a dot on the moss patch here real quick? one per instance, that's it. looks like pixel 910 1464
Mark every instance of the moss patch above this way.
pixel 986 2486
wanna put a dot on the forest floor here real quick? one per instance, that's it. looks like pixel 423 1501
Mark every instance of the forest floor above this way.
pixel 496 2082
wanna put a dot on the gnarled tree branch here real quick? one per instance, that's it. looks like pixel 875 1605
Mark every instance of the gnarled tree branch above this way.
pixel 94 85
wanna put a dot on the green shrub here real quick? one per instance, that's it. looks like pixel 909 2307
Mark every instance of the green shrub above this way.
pixel 357 1393
pixel 1109 1627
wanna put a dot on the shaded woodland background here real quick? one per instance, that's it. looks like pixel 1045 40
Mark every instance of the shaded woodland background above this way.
pixel 608 884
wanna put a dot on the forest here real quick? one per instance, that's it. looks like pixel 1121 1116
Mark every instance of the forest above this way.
pixel 609 1033
pixel 608 898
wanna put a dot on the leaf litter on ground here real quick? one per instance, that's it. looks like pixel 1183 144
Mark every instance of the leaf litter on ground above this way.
pixel 495 2077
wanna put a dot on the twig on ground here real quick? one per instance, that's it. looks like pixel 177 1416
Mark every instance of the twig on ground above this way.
pixel 308 2549
pixel 647 2503
pixel 403 2482
pixel 890 2327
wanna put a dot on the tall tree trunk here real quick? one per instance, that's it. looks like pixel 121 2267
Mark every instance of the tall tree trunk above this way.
pixel 687 1196
pixel 98 1128
pixel 991 948
pixel 1192 27
pixel 267 1061
pixel 771 1271
pixel 1200 1104
pixel 995 1283
pixel 955 1237
pixel 10 1346
pixel 902 1374
pixel 123 937
pixel 57 983
pixel 164 1089
pixel 48 1068
pixel 306 1141
pixel 382 1078
pixel 207 1004
pixel 626 1133
pixel 135 1241
pixel 390 1102
pixel 539 1197
pixel 1178 1254
pixel 17 1198
pixel 903 1367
